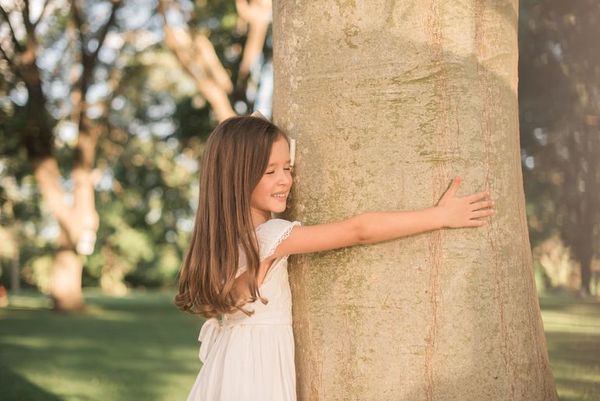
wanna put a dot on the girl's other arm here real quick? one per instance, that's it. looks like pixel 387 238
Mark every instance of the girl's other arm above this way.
pixel 369 228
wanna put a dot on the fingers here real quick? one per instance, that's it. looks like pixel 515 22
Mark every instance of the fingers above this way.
pixel 483 204
pixel 477 197
pixel 477 222
pixel 481 217
pixel 482 213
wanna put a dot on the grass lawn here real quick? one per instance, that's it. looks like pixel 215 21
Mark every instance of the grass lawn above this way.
pixel 141 348
pixel 120 349
pixel 572 329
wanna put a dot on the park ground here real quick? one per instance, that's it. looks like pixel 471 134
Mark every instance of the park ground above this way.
pixel 140 348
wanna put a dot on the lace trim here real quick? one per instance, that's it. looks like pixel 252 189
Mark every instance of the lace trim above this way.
pixel 281 238
pixel 286 233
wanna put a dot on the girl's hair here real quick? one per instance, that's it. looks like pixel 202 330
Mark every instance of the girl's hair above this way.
pixel 235 158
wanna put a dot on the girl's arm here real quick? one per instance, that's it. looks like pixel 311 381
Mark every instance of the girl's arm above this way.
pixel 369 228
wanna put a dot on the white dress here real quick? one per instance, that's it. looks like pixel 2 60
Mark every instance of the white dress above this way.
pixel 251 358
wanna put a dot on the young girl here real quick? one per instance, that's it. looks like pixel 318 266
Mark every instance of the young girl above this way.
pixel 235 271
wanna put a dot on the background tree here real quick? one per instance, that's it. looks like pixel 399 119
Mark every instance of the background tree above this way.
pixel 60 28
pixel 560 119
pixel 152 118
pixel 200 45
pixel 385 124
pixel 148 187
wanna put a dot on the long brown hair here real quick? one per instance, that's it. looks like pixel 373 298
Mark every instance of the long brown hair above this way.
pixel 235 158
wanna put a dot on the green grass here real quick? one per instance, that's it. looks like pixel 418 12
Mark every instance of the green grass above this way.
pixel 572 329
pixel 134 348
pixel 141 348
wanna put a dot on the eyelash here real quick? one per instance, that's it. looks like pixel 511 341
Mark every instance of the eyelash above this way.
pixel 286 168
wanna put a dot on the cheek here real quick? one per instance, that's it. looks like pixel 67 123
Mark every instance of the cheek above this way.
pixel 260 190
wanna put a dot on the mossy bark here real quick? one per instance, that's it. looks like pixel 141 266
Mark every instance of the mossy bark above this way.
pixel 388 100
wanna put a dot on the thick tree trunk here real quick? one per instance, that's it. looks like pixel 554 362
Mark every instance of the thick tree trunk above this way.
pixel 78 225
pixel 65 286
pixel 389 101
pixel 79 221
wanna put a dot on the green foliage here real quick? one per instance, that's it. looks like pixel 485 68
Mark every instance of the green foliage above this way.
pixel 147 157
pixel 40 269
pixel 147 154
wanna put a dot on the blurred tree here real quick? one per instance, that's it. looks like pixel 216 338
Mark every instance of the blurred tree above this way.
pixel 188 27
pixel 51 51
pixel 147 189
pixel 560 123
pixel 150 120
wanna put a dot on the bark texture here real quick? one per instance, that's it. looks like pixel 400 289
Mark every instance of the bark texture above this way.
pixel 389 100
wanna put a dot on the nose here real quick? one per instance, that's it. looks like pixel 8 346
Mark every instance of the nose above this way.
pixel 285 178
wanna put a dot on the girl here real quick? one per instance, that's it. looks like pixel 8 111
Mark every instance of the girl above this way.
pixel 235 271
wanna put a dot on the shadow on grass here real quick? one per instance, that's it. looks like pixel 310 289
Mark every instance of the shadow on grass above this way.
pixel 560 300
pixel 138 347
pixel 17 388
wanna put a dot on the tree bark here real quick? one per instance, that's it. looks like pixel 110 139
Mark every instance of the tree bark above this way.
pixel 388 101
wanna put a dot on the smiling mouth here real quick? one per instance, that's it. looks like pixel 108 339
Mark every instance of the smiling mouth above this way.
pixel 281 195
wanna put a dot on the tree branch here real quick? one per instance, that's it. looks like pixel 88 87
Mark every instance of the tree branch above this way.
pixel 12 65
pixel 206 55
pixel 197 58
pixel 104 30
pixel 259 10
pixel 13 36
pixel 89 60
pixel 26 21
pixel 79 25
pixel 257 13
pixel 44 6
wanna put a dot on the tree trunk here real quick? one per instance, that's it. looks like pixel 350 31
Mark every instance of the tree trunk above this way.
pixel 15 276
pixel 78 225
pixel 67 267
pixel 388 101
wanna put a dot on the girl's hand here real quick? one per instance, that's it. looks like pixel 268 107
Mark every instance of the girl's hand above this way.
pixel 468 211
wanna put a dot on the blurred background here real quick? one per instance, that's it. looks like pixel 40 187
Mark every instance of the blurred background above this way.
pixel 104 109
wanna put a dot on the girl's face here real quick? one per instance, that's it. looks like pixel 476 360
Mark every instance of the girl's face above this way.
pixel 271 192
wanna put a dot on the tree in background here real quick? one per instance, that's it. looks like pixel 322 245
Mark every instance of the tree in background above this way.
pixel 149 158
pixel 187 36
pixel 560 124
pixel 53 88
pixel 149 188
pixel 150 117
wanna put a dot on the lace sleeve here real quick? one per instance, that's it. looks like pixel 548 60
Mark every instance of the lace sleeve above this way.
pixel 271 234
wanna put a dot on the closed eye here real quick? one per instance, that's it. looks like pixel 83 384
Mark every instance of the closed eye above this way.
pixel 289 168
